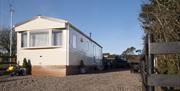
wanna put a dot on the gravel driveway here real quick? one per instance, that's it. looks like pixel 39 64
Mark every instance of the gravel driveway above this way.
pixel 108 81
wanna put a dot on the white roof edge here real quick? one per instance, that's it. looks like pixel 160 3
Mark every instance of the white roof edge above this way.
pixel 54 19
pixel 76 29
pixel 43 17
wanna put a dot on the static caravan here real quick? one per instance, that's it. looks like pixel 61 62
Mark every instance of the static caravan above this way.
pixel 55 47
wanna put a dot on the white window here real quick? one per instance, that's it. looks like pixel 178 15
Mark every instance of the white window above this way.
pixel 56 38
pixel 39 39
pixel 24 39
pixel 74 41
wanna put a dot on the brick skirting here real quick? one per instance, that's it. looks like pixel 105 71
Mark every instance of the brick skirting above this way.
pixel 57 70
pixel 49 70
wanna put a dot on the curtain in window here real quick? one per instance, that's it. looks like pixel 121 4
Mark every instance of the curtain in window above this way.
pixel 57 38
pixel 39 39
pixel 24 39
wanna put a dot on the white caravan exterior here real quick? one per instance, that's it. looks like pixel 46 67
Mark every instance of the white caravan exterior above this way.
pixel 55 47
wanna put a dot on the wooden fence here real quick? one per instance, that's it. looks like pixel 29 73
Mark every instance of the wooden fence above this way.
pixel 149 78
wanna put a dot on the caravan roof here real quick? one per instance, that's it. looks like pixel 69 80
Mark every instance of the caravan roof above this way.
pixel 58 21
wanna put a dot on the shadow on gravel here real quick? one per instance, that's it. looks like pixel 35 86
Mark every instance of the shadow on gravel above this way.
pixel 108 70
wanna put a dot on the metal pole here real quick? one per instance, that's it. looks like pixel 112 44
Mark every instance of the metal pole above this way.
pixel 1 15
pixel 90 35
pixel 11 29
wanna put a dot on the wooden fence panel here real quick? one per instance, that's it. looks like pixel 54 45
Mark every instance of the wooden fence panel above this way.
pixel 164 80
pixel 149 77
pixel 165 48
pixel 5 62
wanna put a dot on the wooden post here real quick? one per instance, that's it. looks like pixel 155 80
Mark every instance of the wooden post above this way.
pixel 150 62
pixel 146 63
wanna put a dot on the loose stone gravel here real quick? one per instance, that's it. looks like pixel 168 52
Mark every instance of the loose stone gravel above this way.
pixel 107 81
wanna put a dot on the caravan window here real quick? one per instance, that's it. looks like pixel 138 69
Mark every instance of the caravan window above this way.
pixel 24 39
pixel 56 38
pixel 74 41
pixel 39 39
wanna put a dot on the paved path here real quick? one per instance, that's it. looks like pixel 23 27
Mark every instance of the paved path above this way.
pixel 109 81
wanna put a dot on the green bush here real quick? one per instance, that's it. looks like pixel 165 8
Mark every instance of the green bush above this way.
pixel 27 65
pixel 168 64
pixel 172 68
pixel 29 69
pixel 162 66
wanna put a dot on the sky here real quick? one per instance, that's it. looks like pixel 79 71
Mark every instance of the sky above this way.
pixel 114 24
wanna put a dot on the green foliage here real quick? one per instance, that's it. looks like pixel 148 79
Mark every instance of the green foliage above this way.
pixel 168 64
pixel 29 69
pixel 131 53
pixel 172 69
pixel 162 66
pixel 25 63
pixel 172 64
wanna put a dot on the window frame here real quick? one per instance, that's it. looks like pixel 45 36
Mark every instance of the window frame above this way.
pixel 50 37
pixel 36 32
pixel 26 43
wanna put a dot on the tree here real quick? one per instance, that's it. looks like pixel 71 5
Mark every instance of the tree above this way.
pixel 161 18
pixel 139 51
pixel 5 40
pixel 128 53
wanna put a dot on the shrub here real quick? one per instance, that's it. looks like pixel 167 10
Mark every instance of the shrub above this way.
pixel 82 67
pixel 29 69
pixel 25 63
pixel 82 64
